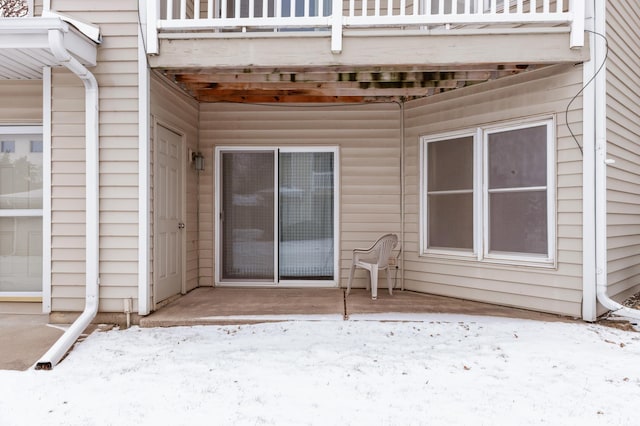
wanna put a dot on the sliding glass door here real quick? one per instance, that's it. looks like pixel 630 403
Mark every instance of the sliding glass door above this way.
pixel 276 212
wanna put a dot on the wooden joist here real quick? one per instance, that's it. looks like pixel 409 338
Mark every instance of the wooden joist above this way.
pixel 326 84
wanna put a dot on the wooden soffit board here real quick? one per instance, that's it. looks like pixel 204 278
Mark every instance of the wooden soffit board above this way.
pixel 333 84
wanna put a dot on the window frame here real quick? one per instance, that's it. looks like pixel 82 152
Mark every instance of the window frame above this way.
pixel 42 212
pixel 424 173
pixel 549 257
pixel 277 282
pixel 481 215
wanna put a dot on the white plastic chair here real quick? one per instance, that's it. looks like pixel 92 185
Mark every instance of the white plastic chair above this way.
pixel 374 259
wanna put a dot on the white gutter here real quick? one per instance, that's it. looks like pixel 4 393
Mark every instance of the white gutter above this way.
pixel 60 348
pixel 598 56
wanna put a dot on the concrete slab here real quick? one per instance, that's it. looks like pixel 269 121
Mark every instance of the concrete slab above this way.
pixel 209 305
pixel 24 339
pixel 359 302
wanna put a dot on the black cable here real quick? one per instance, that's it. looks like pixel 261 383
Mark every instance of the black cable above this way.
pixel 566 111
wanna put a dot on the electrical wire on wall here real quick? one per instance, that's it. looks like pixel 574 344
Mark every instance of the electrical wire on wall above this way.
pixel 604 61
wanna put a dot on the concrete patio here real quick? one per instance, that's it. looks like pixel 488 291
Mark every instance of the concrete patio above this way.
pixel 209 305
pixel 24 338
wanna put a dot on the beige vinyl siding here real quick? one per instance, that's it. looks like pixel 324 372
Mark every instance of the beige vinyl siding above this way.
pixel 117 77
pixel 37 7
pixel 171 107
pixel 368 137
pixel 20 101
pixel 536 94
pixel 623 137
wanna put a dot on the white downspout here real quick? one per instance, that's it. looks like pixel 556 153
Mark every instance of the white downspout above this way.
pixel 62 345
pixel 589 68
pixel 601 162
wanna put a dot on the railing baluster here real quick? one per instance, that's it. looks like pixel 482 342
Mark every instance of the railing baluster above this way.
pixel 336 26
pixel 153 16
pixel 249 15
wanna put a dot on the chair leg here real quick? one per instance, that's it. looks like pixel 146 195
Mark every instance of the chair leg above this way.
pixel 351 272
pixel 374 283
pixel 389 281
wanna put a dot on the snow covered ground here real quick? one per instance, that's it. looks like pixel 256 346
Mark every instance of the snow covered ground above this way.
pixel 441 370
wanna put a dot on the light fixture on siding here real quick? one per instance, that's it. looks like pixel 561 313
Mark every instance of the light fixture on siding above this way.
pixel 198 159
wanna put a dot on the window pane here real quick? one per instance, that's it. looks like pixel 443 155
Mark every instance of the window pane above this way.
pixel 518 222
pixel 20 254
pixel 518 158
pixel 450 164
pixel 306 215
pixel 450 220
pixel 248 203
pixel 20 174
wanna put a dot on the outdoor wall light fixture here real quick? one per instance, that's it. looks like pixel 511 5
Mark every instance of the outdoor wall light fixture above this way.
pixel 198 159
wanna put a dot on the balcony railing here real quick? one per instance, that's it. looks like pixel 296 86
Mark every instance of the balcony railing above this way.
pixel 332 16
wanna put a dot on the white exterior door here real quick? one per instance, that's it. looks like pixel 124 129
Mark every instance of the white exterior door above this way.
pixel 168 208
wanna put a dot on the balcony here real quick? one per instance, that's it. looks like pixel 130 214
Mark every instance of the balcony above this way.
pixel 355 50
pixel 177 19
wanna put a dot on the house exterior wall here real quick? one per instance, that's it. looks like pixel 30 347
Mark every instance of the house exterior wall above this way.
pixel 117 76
pixel 623 145
pixel 368 137
pixel 172 108
pixel 21 102
pixel 550 289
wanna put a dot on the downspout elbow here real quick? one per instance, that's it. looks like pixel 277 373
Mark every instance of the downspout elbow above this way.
pixel 615 307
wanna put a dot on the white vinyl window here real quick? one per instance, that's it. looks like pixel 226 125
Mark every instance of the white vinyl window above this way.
pixel 488 193
pixel 21 176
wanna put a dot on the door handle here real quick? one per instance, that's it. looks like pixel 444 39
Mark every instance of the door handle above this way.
pixel 181 225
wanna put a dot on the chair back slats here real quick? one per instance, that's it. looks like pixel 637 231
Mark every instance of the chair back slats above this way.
pixel 383 247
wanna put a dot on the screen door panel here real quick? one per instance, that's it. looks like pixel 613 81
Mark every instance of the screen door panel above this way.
pixel 248 215
pixel 306 225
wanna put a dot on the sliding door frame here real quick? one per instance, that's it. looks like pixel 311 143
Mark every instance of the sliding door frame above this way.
pixel 276 282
